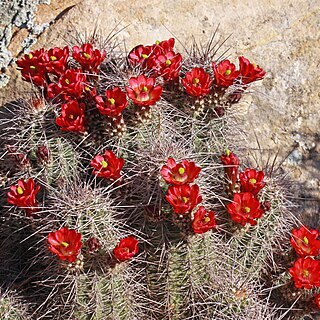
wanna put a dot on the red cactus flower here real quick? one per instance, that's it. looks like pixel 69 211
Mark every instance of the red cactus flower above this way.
pixel 32 68
pixel 23 195
pixel 316 300
pixel 72 117
pixel 89 58
pixel 249 72
pixel 69 86
pixel 143 92
pixel 245 208
pixel 304 241
pixel 203 221
pixel 139 55
pixel 231 163
pixel 65 243
pixel 197 82
pixel 224 73
pixel 167 65
pixel 179 173
pixel 251 180
pixel 183 199
pixel 306 273
pixel 126 249
pixel 165 46
pixel 113 104
pixel 107 166
pixel 55 60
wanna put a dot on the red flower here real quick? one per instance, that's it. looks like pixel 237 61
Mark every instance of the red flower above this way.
pixel 114 103
pixel 304 241
pixel 90 59
pixel 197 82
pixel 143 92
pixel 224 73
pixel 65 243
pixel 250 72
pixel 231 163
pixel 251 180
pixel 183 198
pixel 317 300
pixel 139 55
pixel 70 85
pixel 32 68
pixel 245 208
pixel 203 221
pixel 179 173
pixel 72 117
pixel 167 65
pixel 55 60
pixel 126 249
pixel 306 273
pixel 23 195
pixel 165 46
pixel 107 166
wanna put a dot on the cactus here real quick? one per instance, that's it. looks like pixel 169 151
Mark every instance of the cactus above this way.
pixel 231 272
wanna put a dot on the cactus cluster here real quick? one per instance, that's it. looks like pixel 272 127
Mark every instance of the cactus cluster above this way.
pixel 88 228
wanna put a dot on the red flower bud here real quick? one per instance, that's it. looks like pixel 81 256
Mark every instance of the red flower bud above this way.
pixel 43 154
pixel 197 82
pixel 93 244
pixel 231 163
pixel 316 300
pixel 126 249
pixel 203 221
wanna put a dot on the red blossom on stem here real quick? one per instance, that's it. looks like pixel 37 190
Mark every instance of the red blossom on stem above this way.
pixel 225 73
pixel 245 208
pixel 139 55
pixel 143 91
pixel 251 180
pixel 203 221
pixel 89 58
pixel 114 102
pixel 65 243
pixel 184 198
pixel 249 72
pixel 126 249
pixel 55 60
pixel 23 195
pixel 72 117
pixel 107 166
pixel 179 173
pixel 305 241
pixel 197 82
pixel 231 166
pixel 306 273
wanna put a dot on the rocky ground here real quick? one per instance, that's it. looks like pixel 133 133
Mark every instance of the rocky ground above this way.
pixel 281 36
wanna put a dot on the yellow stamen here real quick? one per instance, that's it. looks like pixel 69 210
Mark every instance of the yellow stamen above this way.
pixel 207 219
pixel 185 199
pixel 305 240
pixel 227 72
pixel 104 164
pixel 86 55
pixel 145 89
pixel 144 56
pixel 253 181
pixel 67 81
pixel 30 55
pixel 157 42
pixel 182 170
pixel 195 80
pixel 19 190
pixel 32 67
pixel 247 209
pixel 168 62
pixel 228 152
pixel 53 58
pixel 305 273
pixel 112 101
pixel 71 116
pixel 254 65
pixel 86 88
pixel 65 244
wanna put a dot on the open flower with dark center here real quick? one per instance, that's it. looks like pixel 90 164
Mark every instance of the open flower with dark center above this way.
pixel 23 195
pixel 179 173
pixel 32 67
pixel 225 73
pixel 203 221
pixel 245 208
pixel 305 241
pixel 126 249
pixel 184 198
pixel 114 102
pixel 89 58
pixel 249 72
pixel 306 273
pixel 65 243
pixel 251 180
pixel 72 117
pixel 107 166
pixel 55 60
pixel 197 82
pixel 143 91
